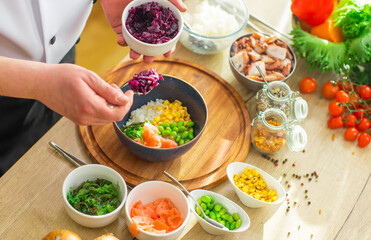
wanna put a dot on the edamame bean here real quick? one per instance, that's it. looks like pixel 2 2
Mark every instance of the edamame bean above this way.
pixel 166 133
pixel 212 215
pixel 218 207
pixel 211 206
pixel 235 216
pixel 198 211
pixel 161 128
pixel 190 130
pixel 203 206
pixel 230 219
pixel 176 129
pixel 185 134
pixel 173 125
pixel 181 142
pixel 207 212
pixel 177 139
pixel 206 199
pixel 187 141
pixel 238 223
pixel 164 125
pixel 232 226
pixel 190 135
pixel 181 129
pixel 180 124
pixel 227 224
pixel 168 128
pixel 223 211
pixel 173 134
pixel 190 124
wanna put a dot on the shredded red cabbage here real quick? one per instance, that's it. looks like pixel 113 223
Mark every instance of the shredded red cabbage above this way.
pixel 145 81
pixel 151 23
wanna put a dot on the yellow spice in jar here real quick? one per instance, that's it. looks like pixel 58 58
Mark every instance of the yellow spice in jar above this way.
pixel 253 184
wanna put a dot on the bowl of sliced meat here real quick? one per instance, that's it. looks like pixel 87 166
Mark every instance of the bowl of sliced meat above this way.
pixel 274 57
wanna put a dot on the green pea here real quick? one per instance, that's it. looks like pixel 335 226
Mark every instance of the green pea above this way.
pixel 203 206
pixel 190 135
pixel 235 216
pixel 185 134
pixel 180 124
pixel 223 211
pixel 218 207
pixel 187 141
pixel 173 134
pixel 238 223
pixel 165 125
pixel 166 133
pixel 212 215
pixel 161 128
pixel 198 211
pixel 176 129
pixel 205 199
pixel 207 212
pixel 173 125
pixel 190 130
pixel 232 226
pixel 168 128
pixel 181 142
pixel 190 124
pixel 177 139
pixel 181 129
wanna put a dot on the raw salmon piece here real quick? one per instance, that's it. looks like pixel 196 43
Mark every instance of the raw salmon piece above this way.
pixel 150 136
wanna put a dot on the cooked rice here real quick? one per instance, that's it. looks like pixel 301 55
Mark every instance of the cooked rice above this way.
pixel 146 112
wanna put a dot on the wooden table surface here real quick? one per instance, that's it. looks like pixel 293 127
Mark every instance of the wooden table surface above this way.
pixel 31 202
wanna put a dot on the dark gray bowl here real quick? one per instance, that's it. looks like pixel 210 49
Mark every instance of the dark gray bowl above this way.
pixel 172 89
pixel 252 84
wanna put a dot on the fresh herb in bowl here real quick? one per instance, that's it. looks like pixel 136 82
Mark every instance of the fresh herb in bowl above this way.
pixel 97 197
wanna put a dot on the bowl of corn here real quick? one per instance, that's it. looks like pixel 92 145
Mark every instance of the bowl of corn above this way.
pixel 254 187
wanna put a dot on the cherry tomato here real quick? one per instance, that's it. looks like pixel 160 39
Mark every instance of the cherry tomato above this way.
pixel 335 109
pixel 330 89
pixel 335 122
pixel 345 85
pixel 351 134
pixel 354 100
pixel 342 96
pixel 308 85
pixel 363 125
pixel 359 113
pixel 365 92
pixel 350 121
pixel 364 139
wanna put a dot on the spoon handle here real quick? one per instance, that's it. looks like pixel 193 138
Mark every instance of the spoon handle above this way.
pixel 74 160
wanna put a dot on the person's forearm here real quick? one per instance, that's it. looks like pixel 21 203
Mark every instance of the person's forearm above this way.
pixel 21 78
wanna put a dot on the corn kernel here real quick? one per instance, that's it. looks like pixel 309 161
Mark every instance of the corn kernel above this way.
pixel 166 102
pixel 158 108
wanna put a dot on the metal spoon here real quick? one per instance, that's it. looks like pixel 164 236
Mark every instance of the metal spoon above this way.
pixel 199 42
pixel 209 220
pixel 261 73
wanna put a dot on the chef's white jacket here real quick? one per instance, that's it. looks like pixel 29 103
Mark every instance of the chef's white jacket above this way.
pixel 41 30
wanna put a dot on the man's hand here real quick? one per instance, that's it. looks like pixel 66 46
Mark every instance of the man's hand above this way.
pixel 113 10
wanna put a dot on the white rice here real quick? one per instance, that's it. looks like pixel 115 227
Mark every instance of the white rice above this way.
pixel 146 112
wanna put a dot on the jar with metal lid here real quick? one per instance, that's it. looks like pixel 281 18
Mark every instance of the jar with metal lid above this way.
pixel 271 131
pixel 279 95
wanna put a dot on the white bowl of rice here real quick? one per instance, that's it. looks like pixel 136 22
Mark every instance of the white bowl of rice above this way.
pixel 212 25
pixel 171 93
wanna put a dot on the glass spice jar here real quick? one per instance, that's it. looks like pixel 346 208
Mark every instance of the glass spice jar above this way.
pixel 279 95
pixel 271 131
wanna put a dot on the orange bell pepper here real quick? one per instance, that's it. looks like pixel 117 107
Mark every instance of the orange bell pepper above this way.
pixel 328 31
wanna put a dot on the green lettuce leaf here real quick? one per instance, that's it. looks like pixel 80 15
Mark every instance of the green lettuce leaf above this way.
pixel 319 53
pixel 359 49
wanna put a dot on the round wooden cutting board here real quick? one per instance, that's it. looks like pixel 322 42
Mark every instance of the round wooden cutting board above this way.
pixel 226 137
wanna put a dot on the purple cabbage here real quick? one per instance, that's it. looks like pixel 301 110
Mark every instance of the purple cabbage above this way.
pixel 145 81
pixel 151 23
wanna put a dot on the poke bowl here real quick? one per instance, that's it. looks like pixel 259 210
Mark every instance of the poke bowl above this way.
pixel 169 204
pixel 212 25
pixel 172 118
pixel 275 58
pixel 151 28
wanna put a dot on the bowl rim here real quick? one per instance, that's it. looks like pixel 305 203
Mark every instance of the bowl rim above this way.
pixel 244 24
pixel 177 147
pixel 161 2
pixel 96 217
pixel 185 221
pixel 258 82
pixel 228 200
pixel 230 178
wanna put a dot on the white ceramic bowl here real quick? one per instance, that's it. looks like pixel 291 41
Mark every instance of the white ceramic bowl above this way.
pixel 92 172
pixel 146 48
pixel 239 168
pixel 149 192
pixel 229 205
